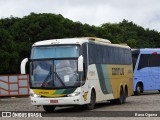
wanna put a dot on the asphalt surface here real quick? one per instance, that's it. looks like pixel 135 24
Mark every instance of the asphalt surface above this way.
pixel 147 104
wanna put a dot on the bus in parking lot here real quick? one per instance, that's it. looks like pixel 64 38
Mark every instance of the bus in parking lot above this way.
pixel 146 64
pixel 79 71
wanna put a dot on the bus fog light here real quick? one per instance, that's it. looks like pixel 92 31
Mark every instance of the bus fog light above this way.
pixel 35 95
pixel 73 94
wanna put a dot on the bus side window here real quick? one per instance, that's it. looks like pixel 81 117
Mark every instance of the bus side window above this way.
pixel 154 60
pixel 143 61
pixel 149 60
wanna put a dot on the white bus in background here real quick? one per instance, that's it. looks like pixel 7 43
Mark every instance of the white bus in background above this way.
pixel 79 71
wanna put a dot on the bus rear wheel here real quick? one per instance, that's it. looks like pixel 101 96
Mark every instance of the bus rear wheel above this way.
pixel 49 108
pixel 125 94
pixel 122 97
pixel 91 105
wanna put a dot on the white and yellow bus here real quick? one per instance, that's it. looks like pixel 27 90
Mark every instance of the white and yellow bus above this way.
pixel 79 71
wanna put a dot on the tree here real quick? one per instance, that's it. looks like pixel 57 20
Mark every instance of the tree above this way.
pixel 18 34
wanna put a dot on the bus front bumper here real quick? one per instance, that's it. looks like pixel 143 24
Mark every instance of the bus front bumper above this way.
pixel 60 101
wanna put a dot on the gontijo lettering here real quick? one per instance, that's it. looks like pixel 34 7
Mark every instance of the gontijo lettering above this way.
pixel 117 71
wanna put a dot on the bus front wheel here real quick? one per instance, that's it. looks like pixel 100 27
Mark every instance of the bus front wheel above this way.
pixel 91 105
pixel 49 108
pixel 138 89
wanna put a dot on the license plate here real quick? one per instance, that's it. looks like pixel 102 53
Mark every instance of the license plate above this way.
pixel 53 101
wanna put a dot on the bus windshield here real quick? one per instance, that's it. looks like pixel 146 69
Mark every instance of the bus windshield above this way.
pixel 135 54
pixel 66 51
pixel 54 66
pixel 54 74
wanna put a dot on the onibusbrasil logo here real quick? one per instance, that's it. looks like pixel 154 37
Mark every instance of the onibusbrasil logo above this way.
pixel 21 114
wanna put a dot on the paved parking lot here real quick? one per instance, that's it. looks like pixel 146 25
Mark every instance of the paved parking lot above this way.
pixel 149 101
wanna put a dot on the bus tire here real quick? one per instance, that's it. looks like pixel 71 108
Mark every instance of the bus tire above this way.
pixel 126 91
pixel 121 98
pixel 124 96
pixel 49 108
pixel 91 105
pixel 138 89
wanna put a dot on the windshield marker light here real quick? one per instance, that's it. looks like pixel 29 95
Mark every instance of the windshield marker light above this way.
pixel 73 94
pixel 55 42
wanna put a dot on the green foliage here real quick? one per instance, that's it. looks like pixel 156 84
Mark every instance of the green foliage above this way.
pixel 18 34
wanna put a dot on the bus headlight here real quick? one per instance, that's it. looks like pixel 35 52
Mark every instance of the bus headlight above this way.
pixel 35 95
pixel 73 94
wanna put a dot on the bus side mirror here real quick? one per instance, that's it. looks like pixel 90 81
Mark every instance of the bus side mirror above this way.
pixel 80 64
pixel 23 65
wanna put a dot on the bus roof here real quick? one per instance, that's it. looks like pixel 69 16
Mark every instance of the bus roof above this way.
pixel 70 41
pixel 78 40
pixel 150 50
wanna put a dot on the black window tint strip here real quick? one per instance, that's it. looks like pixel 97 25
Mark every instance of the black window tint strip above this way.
pixel 149 60
pixel 100 54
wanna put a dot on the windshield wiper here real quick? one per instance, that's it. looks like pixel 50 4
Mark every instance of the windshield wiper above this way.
pixel 47 78
pixel 59 79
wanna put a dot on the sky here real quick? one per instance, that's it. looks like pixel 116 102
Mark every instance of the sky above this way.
pixel 145 13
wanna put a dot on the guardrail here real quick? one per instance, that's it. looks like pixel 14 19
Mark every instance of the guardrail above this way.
pixel 14 85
